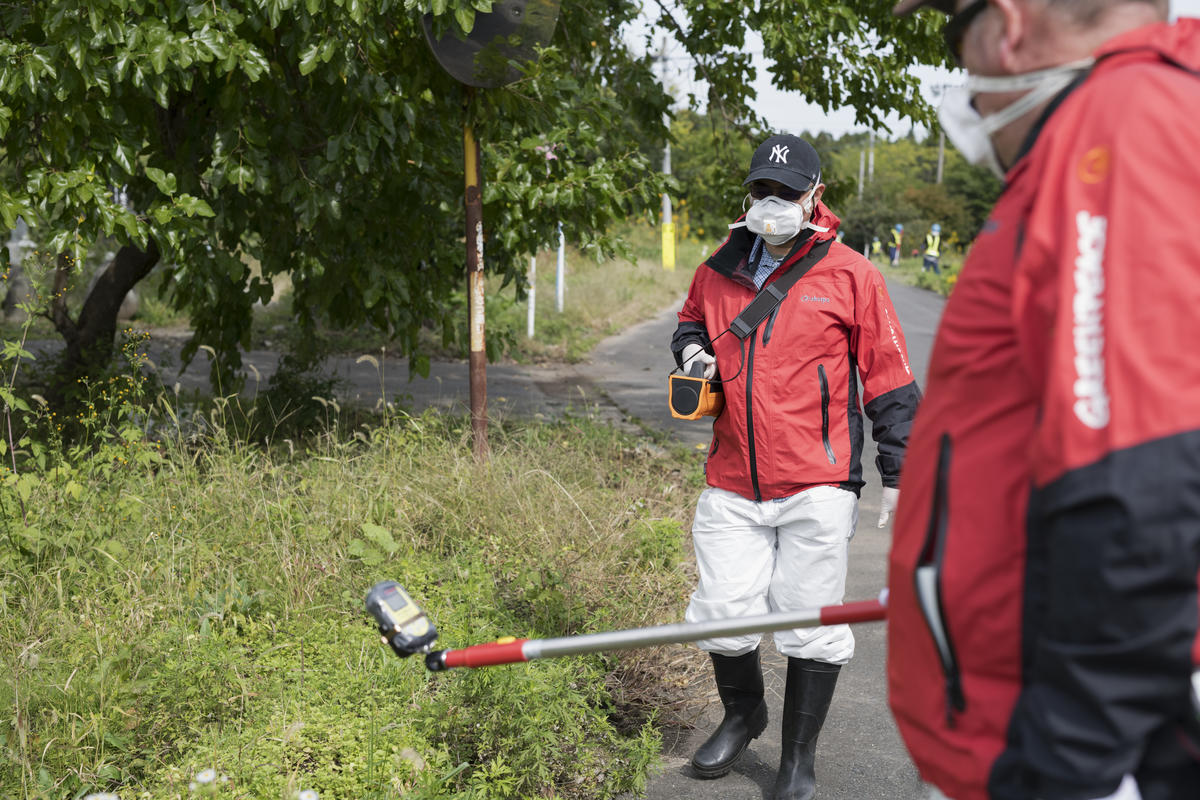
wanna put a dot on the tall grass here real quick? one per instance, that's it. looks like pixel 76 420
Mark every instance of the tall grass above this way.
pixel 202 610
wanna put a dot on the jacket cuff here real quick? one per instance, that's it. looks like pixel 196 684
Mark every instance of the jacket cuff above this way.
pixel 689 333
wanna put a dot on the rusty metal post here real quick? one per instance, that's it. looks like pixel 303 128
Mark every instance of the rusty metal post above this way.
pixel 475 288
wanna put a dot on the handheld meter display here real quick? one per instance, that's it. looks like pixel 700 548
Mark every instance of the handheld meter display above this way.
pixel 402 623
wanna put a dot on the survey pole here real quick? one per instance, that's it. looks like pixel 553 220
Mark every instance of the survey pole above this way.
pixel 475 292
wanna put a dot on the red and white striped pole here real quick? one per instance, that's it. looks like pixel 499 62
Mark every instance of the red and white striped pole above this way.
pixel 513 651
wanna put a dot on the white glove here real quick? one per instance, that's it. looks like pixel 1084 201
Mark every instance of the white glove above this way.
pixel 1128 790
pixel 887 504
pixel 694 352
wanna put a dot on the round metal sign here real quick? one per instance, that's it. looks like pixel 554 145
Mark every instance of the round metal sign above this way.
pixel 508 33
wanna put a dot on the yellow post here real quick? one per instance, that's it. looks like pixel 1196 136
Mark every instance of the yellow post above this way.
pixel 668 246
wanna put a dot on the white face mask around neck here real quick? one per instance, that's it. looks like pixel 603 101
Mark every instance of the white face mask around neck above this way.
pixel 972 133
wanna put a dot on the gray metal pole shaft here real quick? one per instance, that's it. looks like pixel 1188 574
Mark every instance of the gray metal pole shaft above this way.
pixel 674 633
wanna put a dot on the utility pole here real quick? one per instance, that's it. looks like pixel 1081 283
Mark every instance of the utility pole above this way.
pixel 871 160
pixel 941 153
pixel 938 93
pixel 668 224
pixel 862 159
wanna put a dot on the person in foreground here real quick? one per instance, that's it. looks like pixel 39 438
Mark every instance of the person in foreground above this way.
pixel 1043 609
pixel 771 532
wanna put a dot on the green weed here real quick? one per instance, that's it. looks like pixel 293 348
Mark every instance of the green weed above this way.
pixel 910 271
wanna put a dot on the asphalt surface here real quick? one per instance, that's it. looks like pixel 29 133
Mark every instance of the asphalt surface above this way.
pixel 860 755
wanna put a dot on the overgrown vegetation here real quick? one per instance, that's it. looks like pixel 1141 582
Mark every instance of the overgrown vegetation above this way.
pixel 910 271
pixel 323 141
pixel 182 610
pixel 601 297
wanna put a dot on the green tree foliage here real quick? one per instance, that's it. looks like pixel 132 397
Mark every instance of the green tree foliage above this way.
pixel 832 54
pixel 709 162
pixel 319 138
pixel 904 190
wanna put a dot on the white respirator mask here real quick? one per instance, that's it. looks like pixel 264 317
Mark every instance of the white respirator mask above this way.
pixel 972 133
pixel 779 221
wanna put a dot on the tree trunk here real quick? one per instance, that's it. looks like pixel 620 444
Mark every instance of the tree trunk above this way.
pixel 89 338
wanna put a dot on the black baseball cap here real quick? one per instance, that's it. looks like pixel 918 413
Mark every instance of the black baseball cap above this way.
pixel 787 159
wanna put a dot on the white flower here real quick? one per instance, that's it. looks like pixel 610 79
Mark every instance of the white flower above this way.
pixel 206 776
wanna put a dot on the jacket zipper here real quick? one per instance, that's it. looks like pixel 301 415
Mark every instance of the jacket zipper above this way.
pixel 927 578
pixel 825 414
pixel 750 418
pixel 770 326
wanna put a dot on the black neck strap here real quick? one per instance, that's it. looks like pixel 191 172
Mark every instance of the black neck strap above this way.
pixel 773 293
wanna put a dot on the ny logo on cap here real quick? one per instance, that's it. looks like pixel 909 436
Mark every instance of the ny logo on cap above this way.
pixel 779 153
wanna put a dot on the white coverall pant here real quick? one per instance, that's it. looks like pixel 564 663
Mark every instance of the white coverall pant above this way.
pixel 778 555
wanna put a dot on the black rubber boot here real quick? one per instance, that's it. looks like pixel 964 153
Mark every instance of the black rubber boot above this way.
pixel 806 700
pixel 740 684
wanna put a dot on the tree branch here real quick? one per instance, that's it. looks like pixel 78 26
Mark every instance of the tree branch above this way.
pixel 58 313
pixel 666 12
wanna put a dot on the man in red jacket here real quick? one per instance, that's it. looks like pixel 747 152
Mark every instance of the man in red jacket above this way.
pixel 771 532
pixel 1043 576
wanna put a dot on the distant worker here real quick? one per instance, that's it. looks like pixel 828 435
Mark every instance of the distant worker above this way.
pixel 933 249
pixel 876 248
pixel 894 245
pixel 841 235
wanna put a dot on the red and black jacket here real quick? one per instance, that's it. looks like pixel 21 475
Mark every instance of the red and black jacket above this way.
pixel 1043 578
pixel 792 418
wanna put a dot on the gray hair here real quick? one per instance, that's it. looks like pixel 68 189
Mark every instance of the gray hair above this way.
pixel 1086 12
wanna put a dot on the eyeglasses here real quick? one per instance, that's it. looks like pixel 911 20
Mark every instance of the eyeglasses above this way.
pixel 759 190
pixel 956 27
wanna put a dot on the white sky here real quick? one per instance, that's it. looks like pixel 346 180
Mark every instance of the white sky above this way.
pixel 786 111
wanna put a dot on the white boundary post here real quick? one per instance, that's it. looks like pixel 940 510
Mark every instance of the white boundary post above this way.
pixel 561 281
pixel 532 295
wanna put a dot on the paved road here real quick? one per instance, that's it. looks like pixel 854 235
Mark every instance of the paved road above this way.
pixel 860 756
